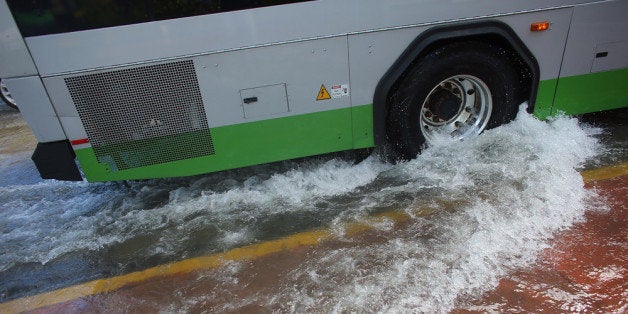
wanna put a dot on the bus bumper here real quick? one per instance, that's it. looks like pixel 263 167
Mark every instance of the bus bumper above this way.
pixel 55 160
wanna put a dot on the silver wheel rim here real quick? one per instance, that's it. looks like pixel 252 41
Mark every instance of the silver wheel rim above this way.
pixel 6 95
pixel 459 106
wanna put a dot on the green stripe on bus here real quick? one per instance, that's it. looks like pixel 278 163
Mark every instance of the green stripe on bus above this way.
pixel 582 93
pixel 254 143
pixel 545 98
pixel 362 121
pixel 592 92
pixel 156 150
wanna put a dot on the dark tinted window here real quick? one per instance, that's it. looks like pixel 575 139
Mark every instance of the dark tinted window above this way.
pixel 41 17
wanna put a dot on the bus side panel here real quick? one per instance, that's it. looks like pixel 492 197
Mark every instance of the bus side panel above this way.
pixel 258 105
pixel 241 145
pixel 594 75
pixel 227 79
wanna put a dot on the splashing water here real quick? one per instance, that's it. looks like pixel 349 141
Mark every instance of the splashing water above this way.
pixel 515 185
pixel 495 201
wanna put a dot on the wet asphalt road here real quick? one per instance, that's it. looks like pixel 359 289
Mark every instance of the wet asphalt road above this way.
pixel 56 234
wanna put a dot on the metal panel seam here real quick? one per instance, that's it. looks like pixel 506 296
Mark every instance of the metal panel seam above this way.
pixel 562 59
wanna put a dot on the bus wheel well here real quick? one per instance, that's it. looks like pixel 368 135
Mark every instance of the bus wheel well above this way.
pixel 517 61
pixel 492 32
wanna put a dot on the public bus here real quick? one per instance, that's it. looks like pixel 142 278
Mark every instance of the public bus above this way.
pixel 131 90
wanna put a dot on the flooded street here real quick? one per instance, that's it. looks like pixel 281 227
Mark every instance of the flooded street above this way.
pixel 428 235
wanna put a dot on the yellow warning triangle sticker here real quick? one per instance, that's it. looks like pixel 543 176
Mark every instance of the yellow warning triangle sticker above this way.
pixel 323 93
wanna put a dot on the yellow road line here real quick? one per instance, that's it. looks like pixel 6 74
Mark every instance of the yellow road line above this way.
pixel 204 262
pixel 605 172
pixel 249 252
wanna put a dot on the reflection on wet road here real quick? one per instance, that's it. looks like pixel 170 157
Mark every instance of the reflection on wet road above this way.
pixel 474 214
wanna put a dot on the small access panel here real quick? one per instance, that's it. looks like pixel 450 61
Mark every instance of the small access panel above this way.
pixel 264 101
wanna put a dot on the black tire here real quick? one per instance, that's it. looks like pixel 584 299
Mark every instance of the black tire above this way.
pixel 488 66
pixel 6 96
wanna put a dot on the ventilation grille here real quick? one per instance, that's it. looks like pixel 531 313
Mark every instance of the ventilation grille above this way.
pixel 143 116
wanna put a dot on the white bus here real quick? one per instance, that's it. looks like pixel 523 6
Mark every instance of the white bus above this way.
pixel 164 88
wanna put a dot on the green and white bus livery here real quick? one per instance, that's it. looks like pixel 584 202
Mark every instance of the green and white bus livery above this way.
pixel 162 88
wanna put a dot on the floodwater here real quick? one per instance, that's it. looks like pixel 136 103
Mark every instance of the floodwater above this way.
pixel 479 212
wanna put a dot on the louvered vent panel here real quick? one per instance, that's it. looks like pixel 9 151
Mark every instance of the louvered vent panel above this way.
pixel 143 116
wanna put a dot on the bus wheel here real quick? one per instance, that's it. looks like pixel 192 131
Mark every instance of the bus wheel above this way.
pixel 6 96
pixel 457 90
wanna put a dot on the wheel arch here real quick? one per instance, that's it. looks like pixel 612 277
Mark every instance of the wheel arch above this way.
pixel 491 31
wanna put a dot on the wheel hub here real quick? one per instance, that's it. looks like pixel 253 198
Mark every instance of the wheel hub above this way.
pixel 459 106
pixel 443 106
pixel 6 95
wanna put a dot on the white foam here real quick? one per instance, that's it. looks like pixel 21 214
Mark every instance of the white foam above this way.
pixel 516 186
pixel 608 273
pixel 92 216
pixel 498 197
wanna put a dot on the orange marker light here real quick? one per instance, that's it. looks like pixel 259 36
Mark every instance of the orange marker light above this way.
pixel 539 26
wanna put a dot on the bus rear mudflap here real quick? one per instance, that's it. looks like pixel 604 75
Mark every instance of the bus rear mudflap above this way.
pixel 55 160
